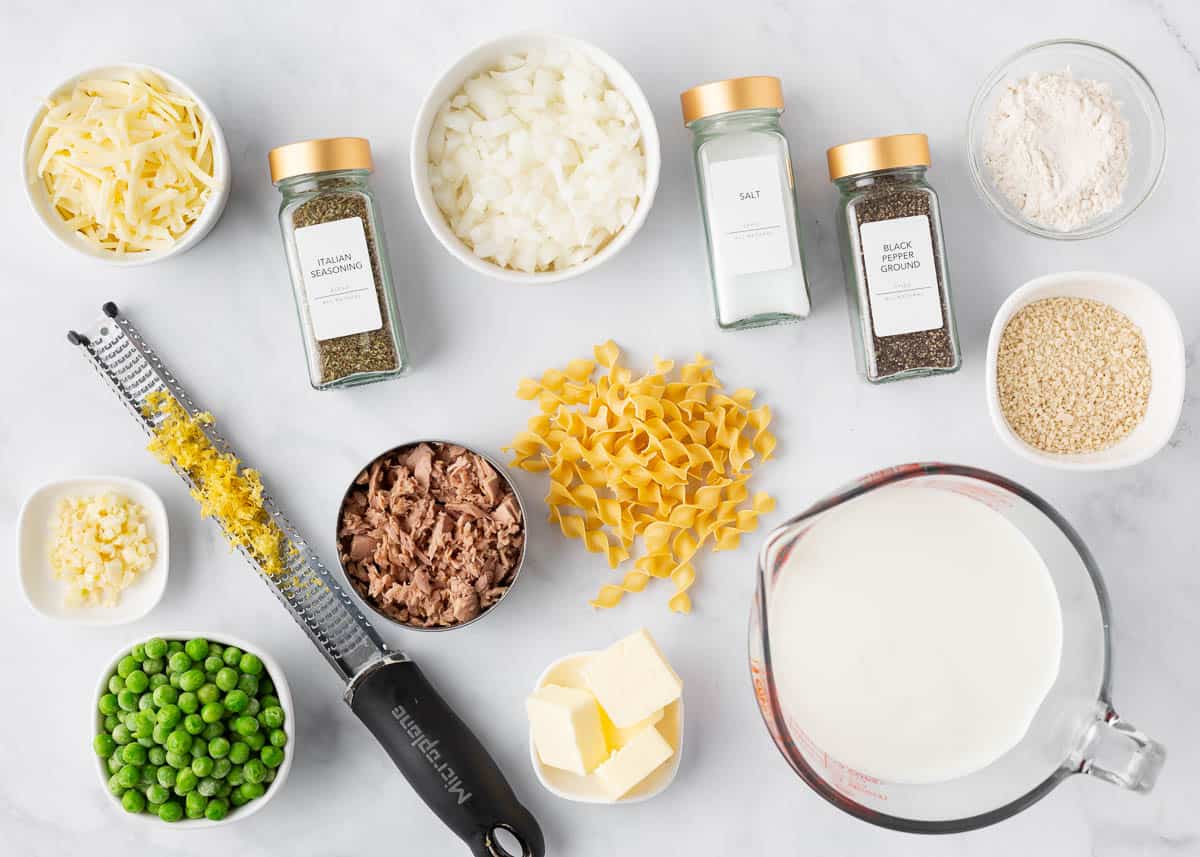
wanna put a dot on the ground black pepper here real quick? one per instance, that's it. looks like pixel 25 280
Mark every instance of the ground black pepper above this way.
pixel 889 198
pixel 371 351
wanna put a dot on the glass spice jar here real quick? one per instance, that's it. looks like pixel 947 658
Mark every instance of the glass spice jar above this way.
pixel 338 261
pixel 747 201
pixel 890 224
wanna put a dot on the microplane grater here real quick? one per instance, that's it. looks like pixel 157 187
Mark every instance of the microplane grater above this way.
pixel 439 755
pixel 316 601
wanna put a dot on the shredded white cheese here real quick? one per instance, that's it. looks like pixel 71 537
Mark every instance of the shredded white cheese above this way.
pixel 126 163
pixel 98 547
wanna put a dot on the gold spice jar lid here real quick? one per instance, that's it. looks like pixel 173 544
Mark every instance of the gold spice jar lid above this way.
pixel 878 153
pixel 726 96
pixel 320 156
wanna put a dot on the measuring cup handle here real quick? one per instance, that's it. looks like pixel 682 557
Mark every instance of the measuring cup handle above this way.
pixel 1132 759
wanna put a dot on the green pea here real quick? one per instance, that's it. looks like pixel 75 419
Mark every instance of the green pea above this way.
pixel 208 786
pixel 157 756
pixel 216 810
pixel 235 777
pixel 250 664
pixel 104 745
pixel 237 798
pixel 121 734
pixel 255 741
pixel 115 787
pixel 179 741
pixel 269 700
pixel 146 700
pixel 129 720
pixel 166 775
pixel 108 704
pixel 128 776
pixel 212 712
pixel 144 724
pixel 253 790
pixel 133 801
pixel 239 752
pixel 156 794
pixel 171 811
pixel 193 724
pixel 165 695
pixel 126 665
pixel 207 693
pixel 213 730
pixel 155 647
pixel 270 777
pixel 185 781
pixel 253 707
pixel 246 682
pixel 245 725
pixel 114 763
pixel 218 748
pixel 138 652
pixel 133 754
pixel 158 680
pixel 173 647
pixel 202 766
pixel 148 775
pixel 169 714
pixel 137 681
pixel 116 684
pixel 195 803
pixel 232 656
pixel 179 662
pixel 221 768
pixel 197 649
pixel 127 700
pixel 188 703
pixel 173 680
pixel 199 748
pixel 254 771
pixel 191 680
pixel 236 701
pixel 111 721
pixel 153 666
pixel 278 738
pixel 161 733
pixel 224 789
pixel 271 756
pixel 179 761
pixel 146 742
pixel 227 678
pixel 271 717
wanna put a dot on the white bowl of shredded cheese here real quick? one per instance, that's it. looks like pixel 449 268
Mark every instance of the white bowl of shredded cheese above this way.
pixel 93 550
pixel 108 123
pixel 559 150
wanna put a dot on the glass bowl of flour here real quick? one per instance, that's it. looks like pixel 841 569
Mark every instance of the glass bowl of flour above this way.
pixel 1066 139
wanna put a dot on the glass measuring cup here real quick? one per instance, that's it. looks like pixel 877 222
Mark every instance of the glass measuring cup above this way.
pixel 1075 731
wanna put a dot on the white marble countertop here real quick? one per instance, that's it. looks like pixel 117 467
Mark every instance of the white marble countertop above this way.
pixel 222 316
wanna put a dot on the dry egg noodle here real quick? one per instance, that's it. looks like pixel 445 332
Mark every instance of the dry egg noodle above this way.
pixel 126 163
pixel 667 460
pixel 225 491
pixel 1072 374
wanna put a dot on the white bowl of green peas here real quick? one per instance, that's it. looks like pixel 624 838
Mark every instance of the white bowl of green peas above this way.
pixel 192 729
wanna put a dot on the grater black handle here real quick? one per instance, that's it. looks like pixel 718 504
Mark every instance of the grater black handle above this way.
pixel 442 759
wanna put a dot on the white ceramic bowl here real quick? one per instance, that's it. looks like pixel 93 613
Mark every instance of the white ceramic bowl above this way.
pixel 282 691
pixel 567 671
pixel 487 56
pixel 1164 345
pixel 36 192
pixel 45 594
pixel 1139 105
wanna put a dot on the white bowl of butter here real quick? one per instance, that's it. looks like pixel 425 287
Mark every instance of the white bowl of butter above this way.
pixel 568 672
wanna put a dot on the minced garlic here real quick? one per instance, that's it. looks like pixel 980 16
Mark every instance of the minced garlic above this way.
pixel 99 545
pixel 225 491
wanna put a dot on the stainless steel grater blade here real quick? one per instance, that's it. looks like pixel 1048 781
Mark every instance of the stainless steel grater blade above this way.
pixel 319 605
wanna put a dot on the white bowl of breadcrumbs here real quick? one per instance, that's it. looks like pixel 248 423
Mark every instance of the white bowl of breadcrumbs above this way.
pixel 1085 371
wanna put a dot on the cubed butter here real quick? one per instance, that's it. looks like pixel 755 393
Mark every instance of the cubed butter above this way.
pixel 618 737
pixel 566 728
pixel 634 762
pixel 631 679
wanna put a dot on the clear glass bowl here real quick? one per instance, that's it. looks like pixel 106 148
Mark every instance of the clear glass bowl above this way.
pixel 1139 104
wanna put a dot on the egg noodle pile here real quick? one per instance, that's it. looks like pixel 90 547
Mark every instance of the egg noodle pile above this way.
pixel 667 460
pixel 225 491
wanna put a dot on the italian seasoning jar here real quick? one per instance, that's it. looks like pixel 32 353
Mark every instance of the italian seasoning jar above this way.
pixel 890 225
pixel 747 201
pixel 338 262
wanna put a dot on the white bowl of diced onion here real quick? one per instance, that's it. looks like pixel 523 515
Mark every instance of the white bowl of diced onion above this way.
pixel 610 206
pixel 217 194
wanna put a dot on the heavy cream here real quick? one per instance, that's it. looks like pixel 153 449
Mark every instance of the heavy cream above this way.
pixel 914 632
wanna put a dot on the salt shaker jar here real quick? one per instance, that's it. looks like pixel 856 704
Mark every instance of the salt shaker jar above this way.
pixel 747 201
pixel 890 225
pixel 338 260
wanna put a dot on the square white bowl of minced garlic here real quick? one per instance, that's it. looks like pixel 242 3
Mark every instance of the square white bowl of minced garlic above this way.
pixel 623 752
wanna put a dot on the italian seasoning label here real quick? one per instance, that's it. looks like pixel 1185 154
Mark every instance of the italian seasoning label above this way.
pixel 902 280
pixel 750 233
pixel 338 281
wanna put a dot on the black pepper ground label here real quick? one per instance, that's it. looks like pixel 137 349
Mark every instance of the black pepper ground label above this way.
pixel 370 351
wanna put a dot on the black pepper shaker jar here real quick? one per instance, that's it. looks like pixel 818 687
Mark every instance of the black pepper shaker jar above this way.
pixel 338 261
pixel 890 225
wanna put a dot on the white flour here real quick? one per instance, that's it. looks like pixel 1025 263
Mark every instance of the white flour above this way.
pixel 1058 149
